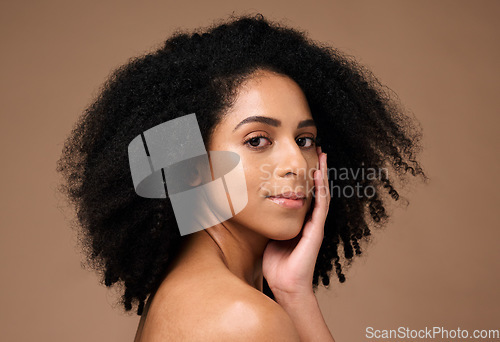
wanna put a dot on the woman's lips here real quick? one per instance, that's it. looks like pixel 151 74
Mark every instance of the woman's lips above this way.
pixel 288 202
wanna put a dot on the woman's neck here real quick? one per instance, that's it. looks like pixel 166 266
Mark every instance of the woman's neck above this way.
pixel 240 249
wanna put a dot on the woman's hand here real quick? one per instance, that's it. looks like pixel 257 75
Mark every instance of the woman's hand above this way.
pixel 288 266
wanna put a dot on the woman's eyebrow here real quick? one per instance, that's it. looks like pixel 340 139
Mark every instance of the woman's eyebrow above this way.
pixel 306 123
pixel 272 122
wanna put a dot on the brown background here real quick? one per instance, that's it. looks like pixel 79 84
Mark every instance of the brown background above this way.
pixel 436 264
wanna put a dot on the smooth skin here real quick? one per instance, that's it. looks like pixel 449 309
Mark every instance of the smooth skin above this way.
pixel 213 288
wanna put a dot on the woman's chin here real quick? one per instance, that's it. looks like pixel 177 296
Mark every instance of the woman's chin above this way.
pixel 285 233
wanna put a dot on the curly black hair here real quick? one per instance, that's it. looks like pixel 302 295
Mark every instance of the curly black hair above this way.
pixel 130 240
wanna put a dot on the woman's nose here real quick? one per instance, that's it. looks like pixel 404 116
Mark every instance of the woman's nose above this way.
pixel 291 161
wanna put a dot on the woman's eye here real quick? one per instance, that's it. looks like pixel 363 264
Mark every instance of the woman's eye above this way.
pixel 256 142
pixel 260 142
pixel 305 142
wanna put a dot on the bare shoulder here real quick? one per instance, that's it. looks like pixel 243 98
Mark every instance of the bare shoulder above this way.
pixel 252 316
pixel 220 308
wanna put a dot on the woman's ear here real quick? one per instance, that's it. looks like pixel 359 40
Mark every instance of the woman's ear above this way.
pixel 198 172
pixel 193 177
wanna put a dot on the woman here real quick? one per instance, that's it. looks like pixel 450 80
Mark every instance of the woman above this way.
pixel 268 94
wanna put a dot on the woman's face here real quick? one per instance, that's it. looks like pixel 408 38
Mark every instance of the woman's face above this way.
pixel 271 128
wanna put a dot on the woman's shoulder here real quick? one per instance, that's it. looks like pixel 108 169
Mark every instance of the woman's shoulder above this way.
pixel 215 306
